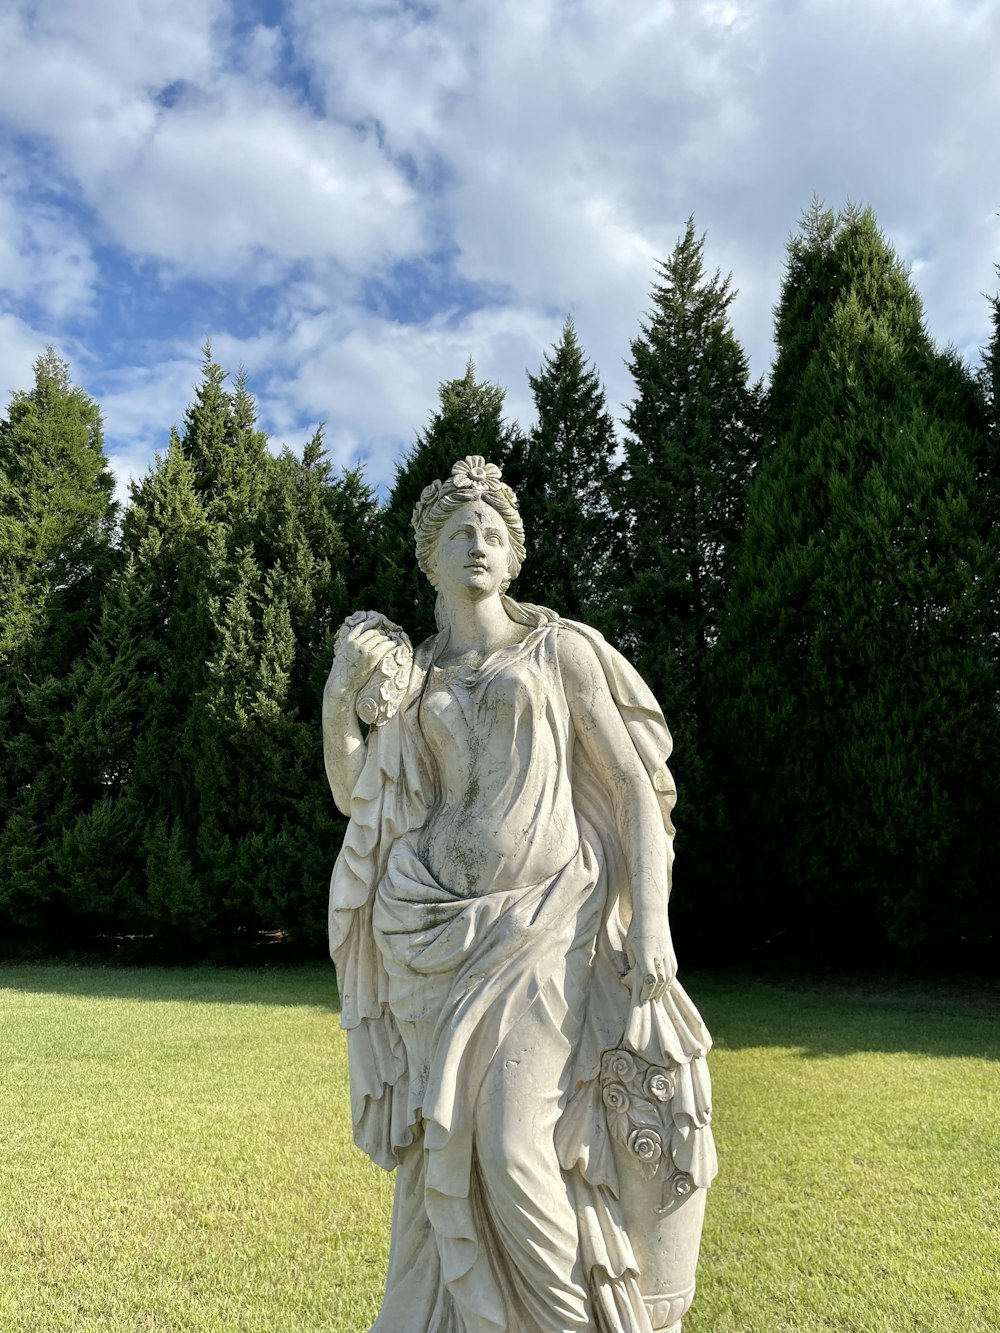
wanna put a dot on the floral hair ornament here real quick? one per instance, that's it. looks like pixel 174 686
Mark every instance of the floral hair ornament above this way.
pixel 471 473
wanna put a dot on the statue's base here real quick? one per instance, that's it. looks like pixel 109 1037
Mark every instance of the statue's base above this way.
pixel 665 1311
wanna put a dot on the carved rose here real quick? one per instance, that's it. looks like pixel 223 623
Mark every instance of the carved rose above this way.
pixel 427 497
pixel 682 1185
pixel 367 710
pixel 621 1065
pixel 396 665
pixel 390 668
pixel 615 1098
pixel 646 1144
pixel 659 1085
pixel 380 697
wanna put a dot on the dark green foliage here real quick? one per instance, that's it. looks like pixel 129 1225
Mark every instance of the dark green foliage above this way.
pixel 826 652
pixel 57 523
pixel 468 421
pixel 989 381
pixel 192 800
pixel 564 474
pixel 57 518
pixel 692 445
pixel 854 693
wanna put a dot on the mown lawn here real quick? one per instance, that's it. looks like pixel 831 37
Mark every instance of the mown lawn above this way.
pixel 175 1154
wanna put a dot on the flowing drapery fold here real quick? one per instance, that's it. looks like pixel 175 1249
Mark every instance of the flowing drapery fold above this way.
pixel 460 1012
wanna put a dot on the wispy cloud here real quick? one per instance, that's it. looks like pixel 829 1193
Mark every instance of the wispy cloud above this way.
pixel 353 199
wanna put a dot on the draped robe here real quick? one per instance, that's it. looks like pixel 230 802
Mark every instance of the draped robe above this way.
pixel 476 1024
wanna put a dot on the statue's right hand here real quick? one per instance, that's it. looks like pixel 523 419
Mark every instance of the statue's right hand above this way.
pixel 361 644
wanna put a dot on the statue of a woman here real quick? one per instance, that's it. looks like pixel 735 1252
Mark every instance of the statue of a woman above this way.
pixel 521 1052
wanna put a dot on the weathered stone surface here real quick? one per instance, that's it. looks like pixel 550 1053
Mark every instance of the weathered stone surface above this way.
pixel 521 1051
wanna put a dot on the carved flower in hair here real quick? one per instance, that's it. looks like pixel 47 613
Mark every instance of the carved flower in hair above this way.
pixel 473 472
pixel 427 497
pixel 505 493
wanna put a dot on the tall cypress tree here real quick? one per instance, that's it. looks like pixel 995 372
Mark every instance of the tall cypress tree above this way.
pixel 989 380
pixel 565 475
pixel 57 526
pixel 57 519
pixel 691 448
pixel 852 679
pixel 123 745
pixel 198 705
pixel 469 420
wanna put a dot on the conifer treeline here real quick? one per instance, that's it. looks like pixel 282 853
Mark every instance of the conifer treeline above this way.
pixel 807 574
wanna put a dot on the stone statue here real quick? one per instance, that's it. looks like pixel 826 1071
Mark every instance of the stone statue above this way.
pixel 521 1052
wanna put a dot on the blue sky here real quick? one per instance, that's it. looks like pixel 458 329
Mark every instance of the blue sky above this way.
pixel 352 199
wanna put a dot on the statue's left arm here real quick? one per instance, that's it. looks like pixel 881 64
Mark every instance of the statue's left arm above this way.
pixel 602 732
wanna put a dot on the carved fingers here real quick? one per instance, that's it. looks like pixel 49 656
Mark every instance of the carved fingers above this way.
pixel 360 647
pixel 653 971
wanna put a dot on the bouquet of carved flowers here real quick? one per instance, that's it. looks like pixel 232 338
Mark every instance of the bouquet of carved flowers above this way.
pixel 637 1098
pixel 380 696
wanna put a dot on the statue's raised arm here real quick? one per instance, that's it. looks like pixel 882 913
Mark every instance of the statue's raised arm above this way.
pixel 521 1051
pixel 371 666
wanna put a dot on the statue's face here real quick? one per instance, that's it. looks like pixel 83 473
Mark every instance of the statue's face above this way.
pixel 473 550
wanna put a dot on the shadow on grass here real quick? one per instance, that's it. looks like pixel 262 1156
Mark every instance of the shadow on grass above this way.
pixel 814 1016
pixel 311 983
pixel 824 1016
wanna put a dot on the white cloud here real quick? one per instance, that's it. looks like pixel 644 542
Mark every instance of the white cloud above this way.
pixel 565 135
pixel 571 140
pixel 139 405
pixel 20 347
pixel 535 157
pixel 226 172
pixel 44 261
pixel 82 79
pixel 374 382
pixel 246 170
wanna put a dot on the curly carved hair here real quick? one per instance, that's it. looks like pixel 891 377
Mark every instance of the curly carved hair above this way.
pixel 472 478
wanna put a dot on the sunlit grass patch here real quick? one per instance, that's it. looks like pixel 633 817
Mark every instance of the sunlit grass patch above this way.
pixel 860 1188
pixel 176 1155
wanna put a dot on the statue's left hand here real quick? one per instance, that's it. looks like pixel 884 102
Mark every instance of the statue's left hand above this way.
pixel 652 964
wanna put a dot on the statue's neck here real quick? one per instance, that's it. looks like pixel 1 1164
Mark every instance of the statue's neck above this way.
pixel 474 630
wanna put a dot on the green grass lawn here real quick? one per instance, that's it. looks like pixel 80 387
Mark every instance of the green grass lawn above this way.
pixel 175 1153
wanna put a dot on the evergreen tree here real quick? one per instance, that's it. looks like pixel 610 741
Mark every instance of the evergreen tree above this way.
pixel 122 748
pixel 198 705
pixel 57 526
pixel 691 448
pixel 564 474
pixel 852 679
pixel 57 518
pixel 468 421
pixel 989 380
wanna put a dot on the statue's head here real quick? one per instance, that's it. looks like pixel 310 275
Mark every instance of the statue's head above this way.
pixel 471 479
